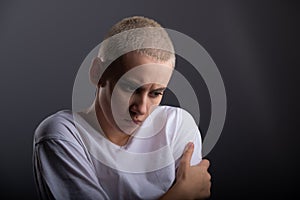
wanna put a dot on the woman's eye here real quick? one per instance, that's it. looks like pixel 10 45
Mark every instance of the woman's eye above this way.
pixel 156 94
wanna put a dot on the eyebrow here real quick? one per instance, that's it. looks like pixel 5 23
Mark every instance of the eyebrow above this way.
pixel 159 89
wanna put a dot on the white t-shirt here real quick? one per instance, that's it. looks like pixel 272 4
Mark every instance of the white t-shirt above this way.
pixel 74 160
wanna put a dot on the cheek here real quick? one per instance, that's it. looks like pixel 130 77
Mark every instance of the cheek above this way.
pixel 120 99
pixel 153 103
pixel 157 100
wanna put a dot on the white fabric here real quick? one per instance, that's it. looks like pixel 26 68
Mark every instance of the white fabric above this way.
pixel 72 160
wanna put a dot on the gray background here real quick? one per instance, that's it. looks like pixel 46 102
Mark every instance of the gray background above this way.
pixel 253 43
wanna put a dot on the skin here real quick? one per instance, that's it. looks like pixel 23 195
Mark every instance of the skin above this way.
pixel 192 182
pixel 132 106
pixel 134 97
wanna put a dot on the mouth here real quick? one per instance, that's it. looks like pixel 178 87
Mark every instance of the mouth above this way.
pixel 134 122
pixel 138 122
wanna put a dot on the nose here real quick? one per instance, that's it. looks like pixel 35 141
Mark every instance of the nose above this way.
pixel 139 104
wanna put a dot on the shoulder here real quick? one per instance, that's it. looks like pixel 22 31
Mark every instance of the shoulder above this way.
pixel 179 123
pixel 176 115
pixel 175 121
pixel 183 129
pixel 59 125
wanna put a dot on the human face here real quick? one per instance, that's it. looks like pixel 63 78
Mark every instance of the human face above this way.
pixel 131 92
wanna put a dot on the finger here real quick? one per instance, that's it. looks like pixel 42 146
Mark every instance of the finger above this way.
pixel 187 155
pixel 204 163
pixel 209 177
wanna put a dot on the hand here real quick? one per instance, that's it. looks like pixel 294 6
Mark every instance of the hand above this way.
pixel 193 181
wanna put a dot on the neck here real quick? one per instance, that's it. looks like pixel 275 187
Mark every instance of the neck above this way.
pixel 112 133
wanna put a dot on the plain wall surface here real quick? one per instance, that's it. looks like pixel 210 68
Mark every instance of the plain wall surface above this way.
pixel 253 43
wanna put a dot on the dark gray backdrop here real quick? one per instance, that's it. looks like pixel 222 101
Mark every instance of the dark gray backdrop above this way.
pixel 253 43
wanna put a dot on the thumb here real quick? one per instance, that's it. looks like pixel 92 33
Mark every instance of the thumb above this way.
pixel 204 163
pixel 187 155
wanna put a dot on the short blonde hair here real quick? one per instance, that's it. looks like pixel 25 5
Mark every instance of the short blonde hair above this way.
pixel 136 32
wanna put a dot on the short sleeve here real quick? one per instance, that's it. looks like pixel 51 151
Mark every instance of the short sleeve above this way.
pixel 187 131
pixel 62 169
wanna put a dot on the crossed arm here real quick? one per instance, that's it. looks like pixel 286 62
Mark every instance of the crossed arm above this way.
pixel 192 182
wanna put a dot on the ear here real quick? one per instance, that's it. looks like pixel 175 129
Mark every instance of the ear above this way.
pixel 96 70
